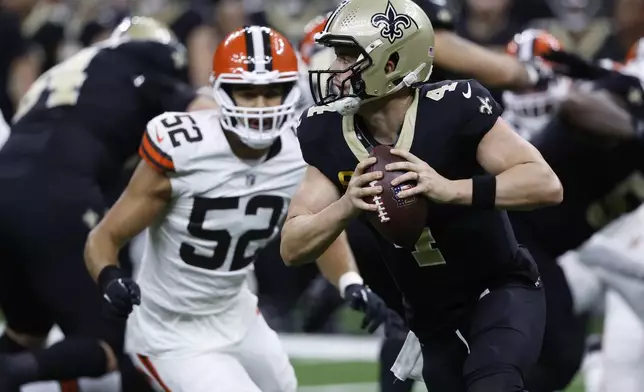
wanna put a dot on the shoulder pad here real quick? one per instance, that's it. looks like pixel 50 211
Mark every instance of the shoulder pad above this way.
pixel 438 13
pixel 313 121
pixel 164 135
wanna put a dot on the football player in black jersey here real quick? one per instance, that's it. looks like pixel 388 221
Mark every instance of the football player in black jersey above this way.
pixel 70 137
pixel 452 128
pixel 454 56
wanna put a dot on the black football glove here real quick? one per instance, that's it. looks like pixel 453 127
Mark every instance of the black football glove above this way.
pixel 574 66
pixel 395 326
pixel 360 297
pixel 119 291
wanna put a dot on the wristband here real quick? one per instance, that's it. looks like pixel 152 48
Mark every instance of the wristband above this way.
pixel 108 274
pixel 347 280
pixel 484 191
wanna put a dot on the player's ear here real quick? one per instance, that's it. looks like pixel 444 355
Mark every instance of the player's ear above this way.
pixel 392 62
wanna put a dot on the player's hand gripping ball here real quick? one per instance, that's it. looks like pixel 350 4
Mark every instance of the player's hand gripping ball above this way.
pixel 400 221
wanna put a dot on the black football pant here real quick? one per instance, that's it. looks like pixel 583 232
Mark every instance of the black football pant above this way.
pixel 377 277
pixel 565 335
pixel 44 222
pixel 497 347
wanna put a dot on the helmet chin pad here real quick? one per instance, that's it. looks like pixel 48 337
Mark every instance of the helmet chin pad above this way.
pixel 257 127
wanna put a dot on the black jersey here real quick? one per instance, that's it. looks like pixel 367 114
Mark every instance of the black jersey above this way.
pixel 88 114
pixel 602 179
pixel 463 250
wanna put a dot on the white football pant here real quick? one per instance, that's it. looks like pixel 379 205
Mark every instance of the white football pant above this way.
pixel 257 363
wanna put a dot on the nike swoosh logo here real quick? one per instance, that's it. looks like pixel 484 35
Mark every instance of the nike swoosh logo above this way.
pixel 468 94
pixel 159 138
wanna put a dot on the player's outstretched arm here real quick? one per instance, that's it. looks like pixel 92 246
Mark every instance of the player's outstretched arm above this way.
pixel 145 197
pixel 518 176
pixel 314 230
pixel 598 112
pixel 490 68
pixel 613 109
pixel 523 178
pixel 316 217
pixel 317 214
pixel 514 175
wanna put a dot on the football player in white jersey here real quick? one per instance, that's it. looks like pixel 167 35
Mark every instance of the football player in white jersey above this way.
pixel 213 187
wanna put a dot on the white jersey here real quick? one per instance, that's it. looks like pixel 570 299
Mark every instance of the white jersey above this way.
pixel 223 211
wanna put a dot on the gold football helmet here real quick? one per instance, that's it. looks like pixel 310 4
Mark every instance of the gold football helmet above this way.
pixel 378 32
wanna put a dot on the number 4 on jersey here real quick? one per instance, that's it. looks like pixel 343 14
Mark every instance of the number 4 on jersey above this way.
pixel 438 93
pixel 425 254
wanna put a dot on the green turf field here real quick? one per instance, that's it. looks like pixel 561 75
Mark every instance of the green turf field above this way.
pixel 318 376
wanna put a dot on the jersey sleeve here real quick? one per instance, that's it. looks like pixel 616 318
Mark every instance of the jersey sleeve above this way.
pixel 155 148
pixel 480 110
pixel 308 134
pixel 438 13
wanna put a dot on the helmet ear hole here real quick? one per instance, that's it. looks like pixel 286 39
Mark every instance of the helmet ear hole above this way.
pixel 392 62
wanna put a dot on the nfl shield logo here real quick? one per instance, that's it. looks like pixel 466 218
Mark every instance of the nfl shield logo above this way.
pixel 250 179
pixel 406 201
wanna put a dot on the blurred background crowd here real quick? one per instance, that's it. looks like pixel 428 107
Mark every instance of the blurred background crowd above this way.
pixel 37 34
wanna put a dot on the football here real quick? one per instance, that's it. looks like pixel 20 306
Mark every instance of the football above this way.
pixel 400 221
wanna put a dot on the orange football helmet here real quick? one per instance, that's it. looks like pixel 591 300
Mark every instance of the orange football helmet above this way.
pixel 308 46
pixel 636 52
pixel 255 55
pixel 635 61
pixel 532 43
pixel 530 111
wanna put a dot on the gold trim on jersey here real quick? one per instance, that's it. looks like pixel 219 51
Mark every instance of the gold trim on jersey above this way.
pixel 404 140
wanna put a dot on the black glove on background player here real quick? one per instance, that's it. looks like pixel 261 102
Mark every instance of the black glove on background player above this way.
pixel 360 297
pixel 574 66
pixel 119 291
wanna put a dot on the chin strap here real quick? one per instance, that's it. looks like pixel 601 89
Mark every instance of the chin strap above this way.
pixel 349 106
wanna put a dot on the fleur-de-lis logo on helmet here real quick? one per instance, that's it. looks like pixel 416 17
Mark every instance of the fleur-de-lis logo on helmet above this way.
pixel 391 23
